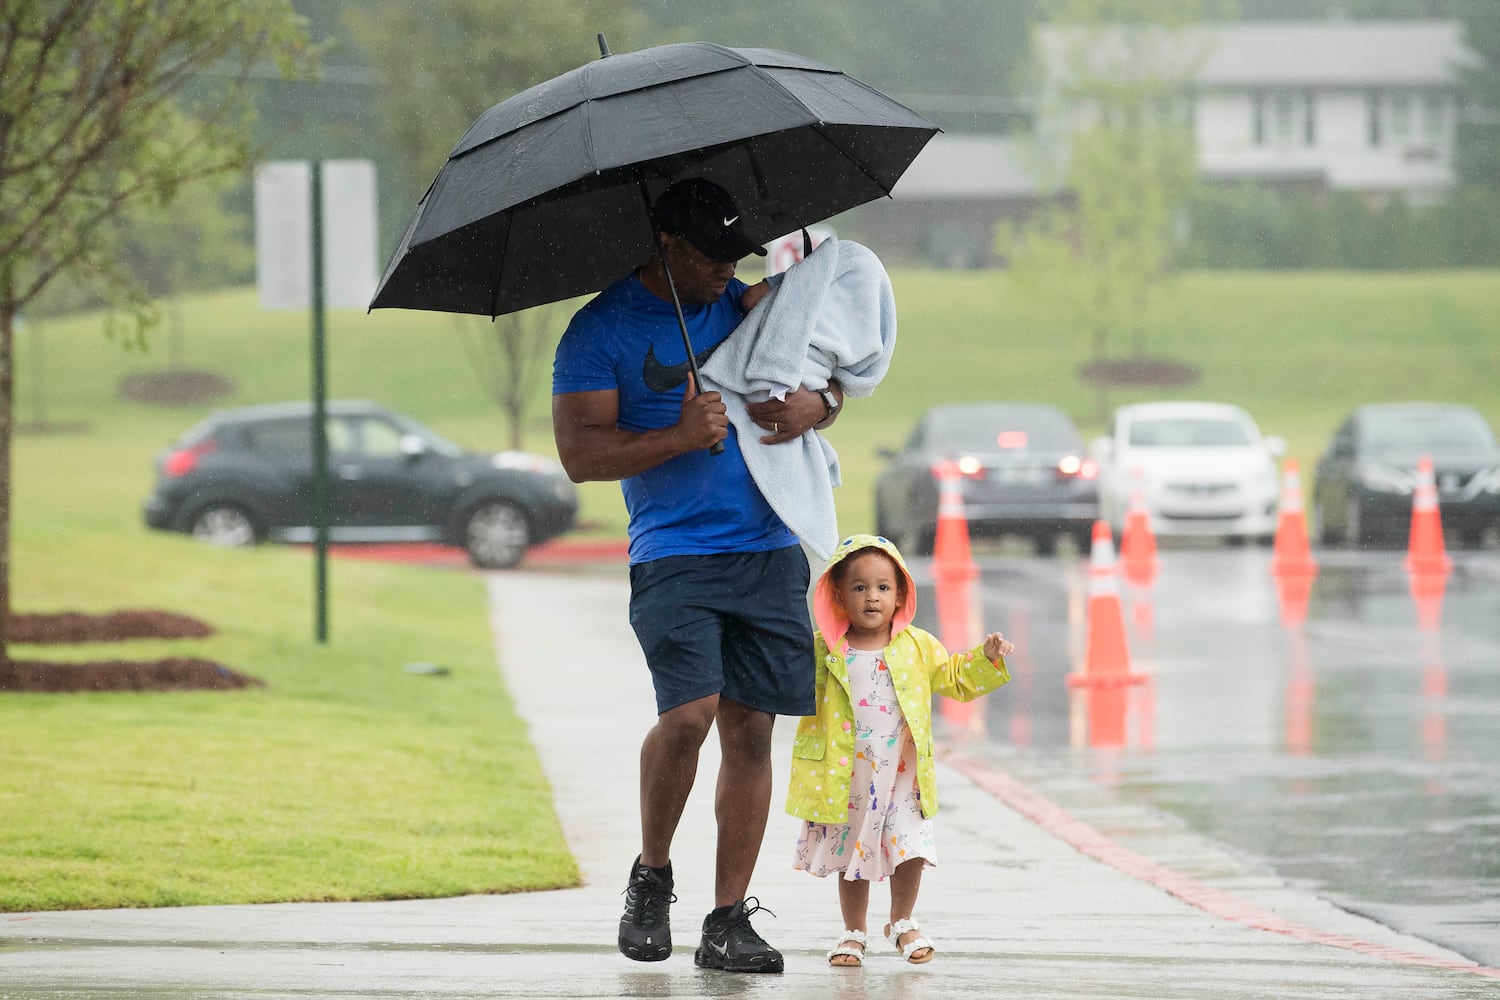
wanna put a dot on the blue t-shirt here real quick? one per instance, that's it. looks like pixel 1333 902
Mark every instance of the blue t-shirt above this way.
pixel 627 339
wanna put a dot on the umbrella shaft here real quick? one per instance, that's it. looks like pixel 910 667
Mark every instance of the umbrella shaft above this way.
pixel 687 342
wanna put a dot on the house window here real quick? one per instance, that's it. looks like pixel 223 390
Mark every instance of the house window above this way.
pixel 1283 119
pixel 1432 117
pixel 1309 119
pixel 1258 118
pixel 1400 118
pixel 1372 117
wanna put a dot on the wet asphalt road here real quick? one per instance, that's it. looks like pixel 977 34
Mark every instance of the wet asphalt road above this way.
pixel 1354 754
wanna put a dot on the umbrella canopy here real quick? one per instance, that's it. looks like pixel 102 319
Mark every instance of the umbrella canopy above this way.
pixel 546 196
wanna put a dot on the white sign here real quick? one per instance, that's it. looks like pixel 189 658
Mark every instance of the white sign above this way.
pixel 783 252
pixel 283 256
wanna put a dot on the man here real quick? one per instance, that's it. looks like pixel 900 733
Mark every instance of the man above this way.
pixel 718 582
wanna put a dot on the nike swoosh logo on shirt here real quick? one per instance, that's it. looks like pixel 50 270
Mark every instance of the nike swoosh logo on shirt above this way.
pixel 730 222
pixel 664 378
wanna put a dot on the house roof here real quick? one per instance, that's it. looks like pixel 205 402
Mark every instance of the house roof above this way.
pixel 1348 53
pixel 1290 53
pixel 953 167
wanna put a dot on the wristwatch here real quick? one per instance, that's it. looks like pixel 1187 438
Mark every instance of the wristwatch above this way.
pixel 830 401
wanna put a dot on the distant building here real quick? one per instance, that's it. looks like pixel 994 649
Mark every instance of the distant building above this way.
pixel 944 209
pixel 1350 106
pixel 1362 106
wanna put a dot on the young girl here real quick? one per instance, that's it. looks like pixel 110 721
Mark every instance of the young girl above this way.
pixel 862 767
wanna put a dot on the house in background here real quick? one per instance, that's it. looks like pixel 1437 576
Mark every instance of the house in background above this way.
pixel 1360 106
pixel 1367 107
pixel 944 209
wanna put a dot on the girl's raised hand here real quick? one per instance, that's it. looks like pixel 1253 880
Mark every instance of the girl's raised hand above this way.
pixel 996 646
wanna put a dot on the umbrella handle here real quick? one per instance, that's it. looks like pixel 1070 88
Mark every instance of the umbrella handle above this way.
pixel 717 448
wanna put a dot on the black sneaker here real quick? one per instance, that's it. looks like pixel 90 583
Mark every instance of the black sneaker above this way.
pixel 731 944
pixel 645 931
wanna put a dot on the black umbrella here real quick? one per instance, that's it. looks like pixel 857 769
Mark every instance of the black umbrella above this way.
pixel 546 197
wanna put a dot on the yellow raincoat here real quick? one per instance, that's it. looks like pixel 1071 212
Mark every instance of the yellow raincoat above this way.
pixel 823 748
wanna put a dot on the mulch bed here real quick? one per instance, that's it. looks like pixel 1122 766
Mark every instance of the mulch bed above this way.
pixel 172 674
pixel 175 387
pixel 1143 371
pixel 74 626
pixel 68 627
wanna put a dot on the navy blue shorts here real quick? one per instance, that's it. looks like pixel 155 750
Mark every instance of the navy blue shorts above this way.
pixel 733 624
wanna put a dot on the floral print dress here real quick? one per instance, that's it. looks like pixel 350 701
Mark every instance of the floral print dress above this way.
pixel 886 826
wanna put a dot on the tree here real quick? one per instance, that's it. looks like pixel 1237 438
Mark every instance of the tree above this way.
pixel 203 241
pixel 1477 152
pixel 440 65
pixel 1323 10
pixel 509 359
pixel 1116 77
pixel 104 107
pixel 948 48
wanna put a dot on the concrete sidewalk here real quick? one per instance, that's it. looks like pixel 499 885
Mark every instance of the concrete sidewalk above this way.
pixel 1029 900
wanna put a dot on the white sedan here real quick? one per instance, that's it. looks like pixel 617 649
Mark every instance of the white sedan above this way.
pixel 1200 469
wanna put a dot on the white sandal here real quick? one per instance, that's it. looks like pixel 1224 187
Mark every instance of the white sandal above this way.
pixel 893 934
pixel 847 949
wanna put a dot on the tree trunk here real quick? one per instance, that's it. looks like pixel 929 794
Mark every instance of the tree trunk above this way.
pixel 7 396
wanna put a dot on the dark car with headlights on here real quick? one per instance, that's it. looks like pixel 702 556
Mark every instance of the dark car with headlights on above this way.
pixel 1365 481
pixel 245 475
pixel 1020 467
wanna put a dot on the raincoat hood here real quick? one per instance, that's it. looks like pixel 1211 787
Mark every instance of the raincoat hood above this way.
pixel 829 615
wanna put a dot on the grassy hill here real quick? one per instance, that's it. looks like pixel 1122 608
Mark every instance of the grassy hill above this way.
pixel 1297 349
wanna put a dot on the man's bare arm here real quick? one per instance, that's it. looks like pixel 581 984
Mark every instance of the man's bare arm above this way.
pixel 593 447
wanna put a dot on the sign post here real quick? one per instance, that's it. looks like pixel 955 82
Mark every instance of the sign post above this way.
pixel 319 414
pixel 315 247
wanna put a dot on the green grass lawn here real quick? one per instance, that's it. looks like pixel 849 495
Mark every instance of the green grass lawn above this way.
pixel 348 778
pixel 344 778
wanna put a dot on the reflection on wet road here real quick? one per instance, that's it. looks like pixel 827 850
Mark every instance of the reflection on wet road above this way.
pixel 1353 752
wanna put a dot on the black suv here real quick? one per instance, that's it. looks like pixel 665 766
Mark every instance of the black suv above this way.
pixel 245 475
pixel 1367 478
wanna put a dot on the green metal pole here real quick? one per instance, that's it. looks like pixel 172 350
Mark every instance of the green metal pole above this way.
pixel 319 418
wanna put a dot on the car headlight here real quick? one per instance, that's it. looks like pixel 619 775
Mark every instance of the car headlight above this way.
pixel 1384 479
pixel 1487 481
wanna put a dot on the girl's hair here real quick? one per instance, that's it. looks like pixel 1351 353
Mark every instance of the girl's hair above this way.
pixel 840 569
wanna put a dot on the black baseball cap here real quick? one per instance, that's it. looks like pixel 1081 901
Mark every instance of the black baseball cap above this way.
pixel 705 215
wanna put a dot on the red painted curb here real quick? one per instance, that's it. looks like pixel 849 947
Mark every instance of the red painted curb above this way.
pixel 433 554
pixel 1087 840
pixel 578 550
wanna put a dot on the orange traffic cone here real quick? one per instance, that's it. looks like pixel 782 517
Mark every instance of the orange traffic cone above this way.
pixel 1106 654
pixel 1425 551
pixel 951 556
pixel 1137 542
pixel 1293 555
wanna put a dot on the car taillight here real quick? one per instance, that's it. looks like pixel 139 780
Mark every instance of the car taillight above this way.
pixel 1073 467
pixel 182 461
pixel 967 467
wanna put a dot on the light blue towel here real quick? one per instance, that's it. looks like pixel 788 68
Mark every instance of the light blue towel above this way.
pixel 831 317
